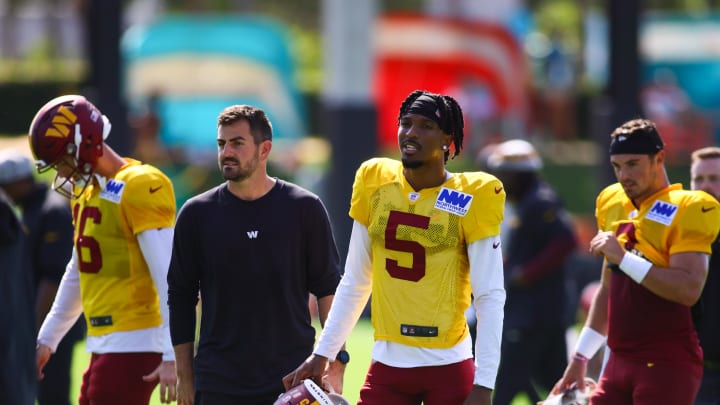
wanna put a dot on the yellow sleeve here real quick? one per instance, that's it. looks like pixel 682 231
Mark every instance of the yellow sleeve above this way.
pixel 359 202
pixel 697 226
pixel 488 208
pixel 149 200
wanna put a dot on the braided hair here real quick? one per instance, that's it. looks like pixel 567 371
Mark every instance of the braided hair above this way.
pixel 451 117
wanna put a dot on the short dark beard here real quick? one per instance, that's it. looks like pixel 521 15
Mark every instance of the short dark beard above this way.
pixel 412 164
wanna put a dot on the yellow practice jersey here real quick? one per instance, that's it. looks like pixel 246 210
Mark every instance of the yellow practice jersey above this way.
pixel 117 290
pixel 671 221
pixel 421 278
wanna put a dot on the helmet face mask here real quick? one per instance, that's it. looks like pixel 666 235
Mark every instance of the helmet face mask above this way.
pixel 69 180
pixel 69 132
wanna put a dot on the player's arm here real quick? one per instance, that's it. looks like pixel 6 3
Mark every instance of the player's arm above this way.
pixel 52 257
pixel 592 335
pixel 487 281
pixel 348 303
pixel 63 314
pixel 156 246
pixel 681 282
pixel 486 277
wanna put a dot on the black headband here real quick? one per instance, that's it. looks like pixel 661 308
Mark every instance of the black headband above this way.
pixel 639 143
pixel 425 106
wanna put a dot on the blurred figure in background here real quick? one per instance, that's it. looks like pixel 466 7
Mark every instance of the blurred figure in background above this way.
pixel 705 175
pixel 47 218
pixel 18 378
pixel 539 242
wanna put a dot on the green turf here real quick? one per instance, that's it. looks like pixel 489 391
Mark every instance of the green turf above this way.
pixel 359 345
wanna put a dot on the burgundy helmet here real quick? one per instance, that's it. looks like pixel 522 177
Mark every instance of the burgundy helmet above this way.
pixel 69 126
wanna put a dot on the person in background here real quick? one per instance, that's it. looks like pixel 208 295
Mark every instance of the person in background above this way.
pixel 47 218
pixel 18 381
pixel 423 239
pixel 656 240
pixel 539 242
pixel 253 249
pixel 705 176
pixel 123 216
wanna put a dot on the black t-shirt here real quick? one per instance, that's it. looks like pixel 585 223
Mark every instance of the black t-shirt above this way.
pixel 708 322
pixel 253 263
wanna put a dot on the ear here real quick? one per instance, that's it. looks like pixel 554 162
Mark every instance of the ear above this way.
pixel 448 141
pixel 265 147
pixel 660 157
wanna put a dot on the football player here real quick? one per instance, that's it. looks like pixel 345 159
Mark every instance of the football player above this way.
pixel 655 238
pixel 123 215
pixel 423 239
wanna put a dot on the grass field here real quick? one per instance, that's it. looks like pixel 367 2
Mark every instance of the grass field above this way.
pixel 359 345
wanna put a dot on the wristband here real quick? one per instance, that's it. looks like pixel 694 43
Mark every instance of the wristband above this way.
pixel 589 342
pixel 635 266
pixel 579 357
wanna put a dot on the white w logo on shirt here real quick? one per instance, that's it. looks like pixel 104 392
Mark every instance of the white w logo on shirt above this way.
pixel 252 234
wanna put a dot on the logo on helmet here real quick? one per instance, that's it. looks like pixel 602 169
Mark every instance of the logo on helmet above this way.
pixel 62 121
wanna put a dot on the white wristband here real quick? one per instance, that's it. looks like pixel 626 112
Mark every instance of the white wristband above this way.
pixel 635 266
pixel 589 342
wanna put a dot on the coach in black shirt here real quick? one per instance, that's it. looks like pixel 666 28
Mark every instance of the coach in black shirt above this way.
pixel 254 248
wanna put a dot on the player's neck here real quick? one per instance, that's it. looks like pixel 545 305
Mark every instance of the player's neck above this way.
pixel 253 187
pixel 109 163
pixel 425 177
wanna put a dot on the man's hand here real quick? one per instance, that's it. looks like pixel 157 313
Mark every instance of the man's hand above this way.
pixel 314 368
pixel 606 244
pixel 186 391
pixel 479 396
pixel 574 374
pixel 333 378
pixel 165 374
pixel 42 355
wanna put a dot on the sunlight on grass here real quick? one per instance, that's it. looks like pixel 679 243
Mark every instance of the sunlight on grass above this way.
pixel 359 345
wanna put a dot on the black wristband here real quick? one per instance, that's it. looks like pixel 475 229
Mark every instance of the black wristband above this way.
pixel 343 357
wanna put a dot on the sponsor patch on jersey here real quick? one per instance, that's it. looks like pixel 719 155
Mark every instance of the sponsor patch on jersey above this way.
pixel 113 191
pixel 453 201
pixel 416 330
pixel 662 212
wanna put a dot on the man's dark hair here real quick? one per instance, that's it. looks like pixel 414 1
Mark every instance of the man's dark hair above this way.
pixel 637 136
pixel 260 126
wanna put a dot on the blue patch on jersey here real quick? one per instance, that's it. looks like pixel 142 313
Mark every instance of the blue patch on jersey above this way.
pixel 453 201
pixel 662 212
pixel 113 191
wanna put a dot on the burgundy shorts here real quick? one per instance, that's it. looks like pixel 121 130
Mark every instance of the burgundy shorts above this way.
pixel 438 385
pixel 628 381
pixel 116 379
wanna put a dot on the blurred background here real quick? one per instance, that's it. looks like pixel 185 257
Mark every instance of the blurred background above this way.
pixel 331 75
